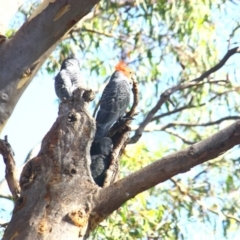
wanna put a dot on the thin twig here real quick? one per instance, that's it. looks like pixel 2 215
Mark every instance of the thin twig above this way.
pixel 4 225
pixel 175 111
pixel 186 124
pixel 232 34
pixel 219 94
pixel 98 32
pixel 11 175
pixel 201 124
pixel 178 136
pixel 219 65
pixel 166 94
pixel 132 112
pixel 185 191
pixel 112 172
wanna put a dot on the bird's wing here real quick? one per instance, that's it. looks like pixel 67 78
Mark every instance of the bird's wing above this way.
pixel 113 103
pixel 115 99
pixel 63 84
pixel 77 79
pixel 123 97
pixel 108 112
pixel 98 165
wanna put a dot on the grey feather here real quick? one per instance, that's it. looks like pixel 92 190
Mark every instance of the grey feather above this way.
pixel 100 157
pixel 113 103
pixel 68 78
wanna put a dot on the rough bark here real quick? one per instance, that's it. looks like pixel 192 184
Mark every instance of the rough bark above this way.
pixel 113 196
pixel 10 172
pixel 23 54
pixel 57 190
pixel 56 186
pixel 59 198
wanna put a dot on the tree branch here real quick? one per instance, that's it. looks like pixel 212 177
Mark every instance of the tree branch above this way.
pixel 8 197
pixel 113 196
pixel 186 124
pixel 121 138
pixel 200 124
pixel 183 190
pixel 175 111
pixel 232 35
pixel 11 176
pixel 219 65
pixel 4 225
pixel 180 137
pixel 23 55
pixel 166 94
pixel 98 32
pixel 46 207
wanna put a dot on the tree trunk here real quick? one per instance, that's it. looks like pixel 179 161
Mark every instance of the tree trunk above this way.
pixel 58 194
pixel 23 54
pixel 56 186
pixel 58 197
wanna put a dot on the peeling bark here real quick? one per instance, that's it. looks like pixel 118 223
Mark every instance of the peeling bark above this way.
pixel 23 54
pixel 10 172
pixel 56 186
pixel 59 198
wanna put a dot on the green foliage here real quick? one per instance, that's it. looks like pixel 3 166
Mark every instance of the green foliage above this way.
pixel 136 218
pixel 167 43
pixel 199 200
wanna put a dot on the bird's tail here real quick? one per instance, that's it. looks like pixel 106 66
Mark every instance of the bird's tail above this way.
pixel 101 132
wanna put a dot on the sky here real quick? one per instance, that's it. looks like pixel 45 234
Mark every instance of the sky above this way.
pixel 33 116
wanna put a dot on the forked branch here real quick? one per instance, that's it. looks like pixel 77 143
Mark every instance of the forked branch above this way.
pixel 113 196
pixel 11 176
pixel 219 65
pixel 166 94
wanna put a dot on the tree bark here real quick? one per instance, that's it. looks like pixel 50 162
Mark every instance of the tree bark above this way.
pixel 112 197
pixel 23 54
pixel 59 198
pixel 56 186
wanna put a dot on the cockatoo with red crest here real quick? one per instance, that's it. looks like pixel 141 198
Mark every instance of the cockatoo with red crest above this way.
pixel 114 100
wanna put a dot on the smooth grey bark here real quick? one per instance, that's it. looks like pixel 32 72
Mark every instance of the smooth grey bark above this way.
pixel 23 54
pixel 58 197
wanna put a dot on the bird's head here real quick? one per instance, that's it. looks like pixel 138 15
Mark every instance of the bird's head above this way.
pixel 122 67
pixel 70 62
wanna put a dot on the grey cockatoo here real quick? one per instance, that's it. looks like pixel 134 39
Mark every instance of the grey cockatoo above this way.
pixel 114 100
pixel 68 78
